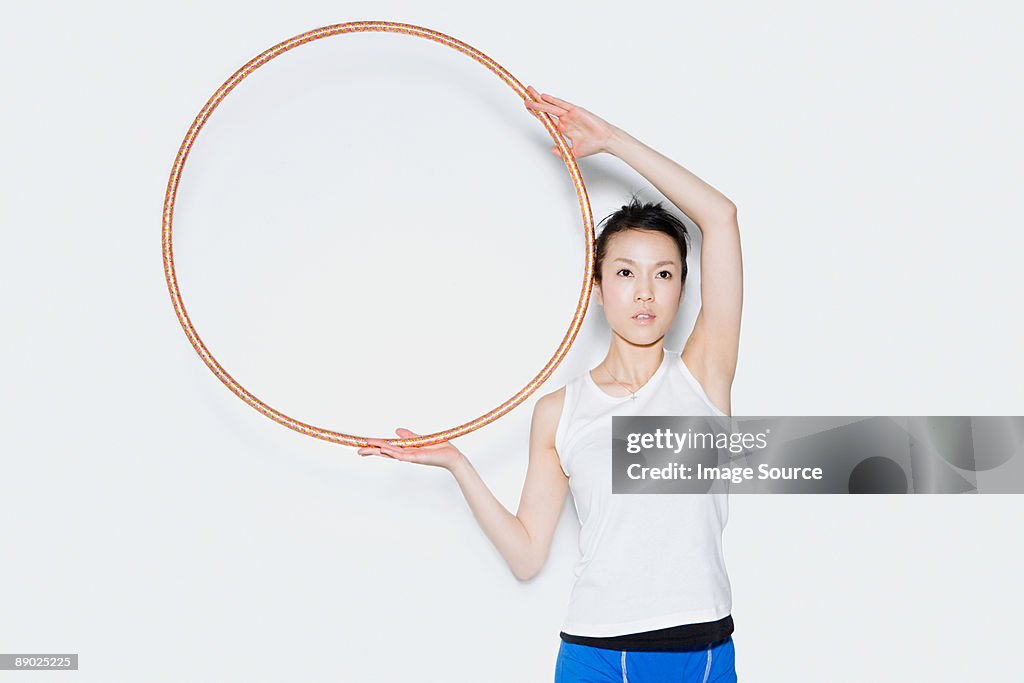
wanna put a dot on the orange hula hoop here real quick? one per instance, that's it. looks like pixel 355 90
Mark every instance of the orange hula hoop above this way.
pixel 326 434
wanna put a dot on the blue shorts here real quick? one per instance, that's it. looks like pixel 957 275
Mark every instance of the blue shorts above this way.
pixel 584 664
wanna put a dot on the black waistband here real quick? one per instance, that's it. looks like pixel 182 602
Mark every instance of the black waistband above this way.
pixel 672 639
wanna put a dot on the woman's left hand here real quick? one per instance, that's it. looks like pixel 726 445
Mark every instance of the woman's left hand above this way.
pixel 588 132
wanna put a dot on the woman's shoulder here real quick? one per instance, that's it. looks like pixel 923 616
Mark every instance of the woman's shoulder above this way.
pixel 551 403
pixel 546 414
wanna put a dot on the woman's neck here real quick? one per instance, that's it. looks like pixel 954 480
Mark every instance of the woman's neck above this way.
pixel 633 365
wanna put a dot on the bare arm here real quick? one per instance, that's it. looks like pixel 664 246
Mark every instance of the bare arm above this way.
pixel 698 200
pixel 714 343
pixel 523 539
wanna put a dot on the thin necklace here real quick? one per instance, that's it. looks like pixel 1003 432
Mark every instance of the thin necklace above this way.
pixel 633 391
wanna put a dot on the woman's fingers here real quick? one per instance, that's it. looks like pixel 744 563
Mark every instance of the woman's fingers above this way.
pixel 373 451
pixel 561 125
pixel 376 447
pixel 403 453
pixel 554 150
pixel 551 99
pixel 399 453
pixel 539 103
pixel 406 433
pixel 380 447
pixel 545 106
pixel 555 100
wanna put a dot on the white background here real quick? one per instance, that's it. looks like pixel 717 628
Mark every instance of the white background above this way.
pixel 371 234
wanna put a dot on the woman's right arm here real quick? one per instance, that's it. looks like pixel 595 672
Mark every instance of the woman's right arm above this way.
pixel 523 539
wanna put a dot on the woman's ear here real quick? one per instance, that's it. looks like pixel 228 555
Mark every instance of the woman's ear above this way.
pixel 597 293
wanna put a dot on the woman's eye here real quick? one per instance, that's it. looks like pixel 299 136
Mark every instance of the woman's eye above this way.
pixel 664 272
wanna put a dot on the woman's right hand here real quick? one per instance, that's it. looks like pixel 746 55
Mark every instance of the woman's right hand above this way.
pixel 443 454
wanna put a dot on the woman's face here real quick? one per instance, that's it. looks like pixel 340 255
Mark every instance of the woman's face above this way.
pixel 641 272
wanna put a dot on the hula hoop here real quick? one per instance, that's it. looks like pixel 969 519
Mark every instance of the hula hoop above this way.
pixel 326 434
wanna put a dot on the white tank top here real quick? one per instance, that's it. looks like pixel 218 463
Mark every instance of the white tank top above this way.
pixel 646 561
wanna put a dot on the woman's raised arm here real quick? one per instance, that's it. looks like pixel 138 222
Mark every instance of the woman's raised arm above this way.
pixel 713 345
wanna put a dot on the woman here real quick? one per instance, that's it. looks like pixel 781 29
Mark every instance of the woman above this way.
pixel 652 600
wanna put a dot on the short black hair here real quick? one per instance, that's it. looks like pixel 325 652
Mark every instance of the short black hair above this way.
pixel 637 215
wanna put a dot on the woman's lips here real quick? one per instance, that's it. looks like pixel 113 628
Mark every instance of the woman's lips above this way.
pixel 644 321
